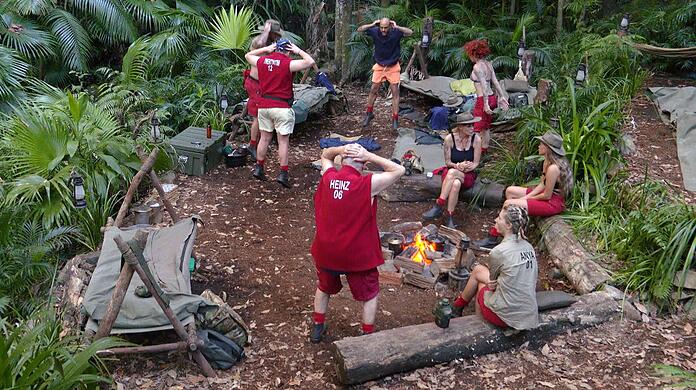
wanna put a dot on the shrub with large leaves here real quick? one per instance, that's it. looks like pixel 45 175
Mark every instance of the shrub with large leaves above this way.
pixel 49 140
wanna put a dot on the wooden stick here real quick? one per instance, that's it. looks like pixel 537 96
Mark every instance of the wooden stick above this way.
pixel 131 259
pixel 158 186
pixel 133 187
pixel 178 346
pixel 122 283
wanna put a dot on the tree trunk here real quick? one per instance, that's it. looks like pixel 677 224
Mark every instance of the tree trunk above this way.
pixel 340 39
pixel 345 25
pixel 571 257
pixel 559 17
pixel 360 359
pixel 418 188
pixel 513 7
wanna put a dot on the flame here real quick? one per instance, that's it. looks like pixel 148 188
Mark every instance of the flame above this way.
pixel 421 244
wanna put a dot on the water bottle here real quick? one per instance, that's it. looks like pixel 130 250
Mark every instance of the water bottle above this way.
pixel 443 313
pixel 208 132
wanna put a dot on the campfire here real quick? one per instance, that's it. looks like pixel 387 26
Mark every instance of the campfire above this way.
pixel 419 255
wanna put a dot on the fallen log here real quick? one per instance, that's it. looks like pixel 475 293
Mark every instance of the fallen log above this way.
pixel 368 357
pixel 418 188
pixel 574 261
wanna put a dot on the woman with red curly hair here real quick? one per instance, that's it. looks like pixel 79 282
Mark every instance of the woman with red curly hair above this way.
pixel 484 80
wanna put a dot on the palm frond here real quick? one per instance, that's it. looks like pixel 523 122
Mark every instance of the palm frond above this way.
pixel 135 62
pixel 74 42
pixel 26 37
pixel 231 30
pixel 112 14
pixel 33 7
pixel 13 72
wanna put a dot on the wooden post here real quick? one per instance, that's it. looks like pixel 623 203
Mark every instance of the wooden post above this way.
pixel 147 166
pixel 158 186
pixel 122 283
pixel 178 346
pixel 132 260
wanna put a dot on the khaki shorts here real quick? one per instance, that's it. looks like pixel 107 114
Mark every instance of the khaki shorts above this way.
pixel 281 120
pixel 390 73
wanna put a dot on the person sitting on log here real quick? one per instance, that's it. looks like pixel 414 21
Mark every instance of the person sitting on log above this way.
pixel 548 197
pixel 462 155
pixel 347 238
pixel 505 290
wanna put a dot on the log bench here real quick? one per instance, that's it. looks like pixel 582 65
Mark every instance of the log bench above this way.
pixel 368 357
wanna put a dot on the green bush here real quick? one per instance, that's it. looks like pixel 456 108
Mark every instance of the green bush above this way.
pixel 34 356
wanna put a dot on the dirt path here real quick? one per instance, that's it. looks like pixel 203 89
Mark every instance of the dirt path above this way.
pixel 255 248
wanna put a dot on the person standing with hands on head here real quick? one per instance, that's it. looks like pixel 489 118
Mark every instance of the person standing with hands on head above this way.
pixel 271 32
pixel 386 36
pixel 276 69
pixel 347 237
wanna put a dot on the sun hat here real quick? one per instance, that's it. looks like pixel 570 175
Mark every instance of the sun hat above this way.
pixel 465 118
pixel 453 101
pixel 553 141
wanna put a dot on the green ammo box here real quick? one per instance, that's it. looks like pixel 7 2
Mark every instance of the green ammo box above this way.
pixel 197 154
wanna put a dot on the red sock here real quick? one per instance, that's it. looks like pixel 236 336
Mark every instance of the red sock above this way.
pixel 494 232
pixel 370 108
pixel 260 162
pixel 395 116
pixel 460 302
pixel 484 150
pixel 253 142
pixel 319 318
pixel 284 168
pixel 450 213
pixel 440 202
pixel 368 328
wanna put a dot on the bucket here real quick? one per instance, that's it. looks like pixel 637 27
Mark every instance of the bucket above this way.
pixel 142 215
pixel 458 279
pixel 156 215
pixel 237 158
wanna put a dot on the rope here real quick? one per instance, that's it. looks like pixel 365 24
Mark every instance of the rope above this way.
pixel 682 52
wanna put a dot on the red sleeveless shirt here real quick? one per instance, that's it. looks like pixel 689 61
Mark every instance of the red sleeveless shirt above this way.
pixel 275 79
pixel 347 237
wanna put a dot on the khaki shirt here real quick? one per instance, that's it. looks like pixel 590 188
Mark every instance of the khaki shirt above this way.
pixel 513 264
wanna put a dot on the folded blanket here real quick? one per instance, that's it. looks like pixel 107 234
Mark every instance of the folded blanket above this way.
pixel 368 143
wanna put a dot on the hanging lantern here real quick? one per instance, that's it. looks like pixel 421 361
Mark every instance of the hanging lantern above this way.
pixel 219 89
pixel 427 33
pixel 520 49
pixel 78 185
pixel 581 76
pixel 155 131
pixel 625 21
pixel 554 122
pixel 223 102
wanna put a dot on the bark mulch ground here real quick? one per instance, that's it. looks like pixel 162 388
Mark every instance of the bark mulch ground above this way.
pixel 255 248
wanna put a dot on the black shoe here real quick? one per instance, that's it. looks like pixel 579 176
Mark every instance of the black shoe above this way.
pixel 284 178
pixel 395 124
pixel 434 213
pixel 457 311
pixel 317 332
pixel 258 172
pixel 487 243
pixel 252 151
pixel 450 222
pixel 368 117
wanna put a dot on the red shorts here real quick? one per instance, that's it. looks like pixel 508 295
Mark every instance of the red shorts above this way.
pixel 545 208
pixel 487 313
pixel 486 119
pixel 251 85
pixel 364 285
pixel 469 177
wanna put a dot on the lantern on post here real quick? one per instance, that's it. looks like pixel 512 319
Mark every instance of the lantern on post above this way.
pixel 155 131
pixel 427 32
pixel 224 103
pixel 623 25
pixel 581 75
pixel 78 190
pixel 521 47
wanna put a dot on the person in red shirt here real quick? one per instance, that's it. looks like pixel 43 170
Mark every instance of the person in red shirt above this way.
pixel 270 33
pixel 276 70
pixel 347 238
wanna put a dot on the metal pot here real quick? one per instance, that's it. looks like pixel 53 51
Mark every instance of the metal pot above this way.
pixel 396 245
pixel 238 158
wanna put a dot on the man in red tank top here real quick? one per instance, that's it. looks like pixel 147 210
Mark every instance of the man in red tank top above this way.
pixel 347 238
pixel 276 69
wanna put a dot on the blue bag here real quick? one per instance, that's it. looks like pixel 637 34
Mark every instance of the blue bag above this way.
pixel 322 80
pixel 438 118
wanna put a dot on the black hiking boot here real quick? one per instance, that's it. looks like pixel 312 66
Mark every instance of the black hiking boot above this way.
pixel 450 222
pixel 457 311
pixel 258 172
pixel 317 333
pixel 487 243
pixel 434 213
pixel 368 117
pixel 284 178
